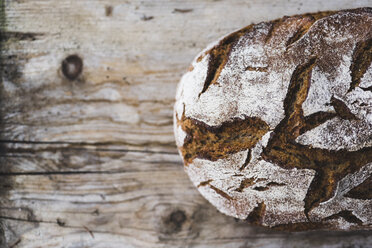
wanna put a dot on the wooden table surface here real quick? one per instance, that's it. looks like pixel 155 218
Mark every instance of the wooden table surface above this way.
pixel 91 161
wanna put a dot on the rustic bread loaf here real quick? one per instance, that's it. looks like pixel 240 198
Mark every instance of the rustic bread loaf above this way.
pixel 274 122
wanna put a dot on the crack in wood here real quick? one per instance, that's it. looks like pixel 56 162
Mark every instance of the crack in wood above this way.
pixel 89 231
pixel 30 36
pixel 25 220
pixel 182 10
pixel 78 146
pixel 38 221
pixel 48 173
pixel 15 244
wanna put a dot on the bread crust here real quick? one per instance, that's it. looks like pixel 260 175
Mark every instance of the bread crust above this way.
pixel 274 122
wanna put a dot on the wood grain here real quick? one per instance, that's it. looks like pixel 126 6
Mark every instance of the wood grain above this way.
pixel 92 162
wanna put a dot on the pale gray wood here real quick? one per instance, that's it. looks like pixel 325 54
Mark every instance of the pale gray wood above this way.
pixel 92 162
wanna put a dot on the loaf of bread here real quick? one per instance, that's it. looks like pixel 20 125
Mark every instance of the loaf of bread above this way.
pixel 274 122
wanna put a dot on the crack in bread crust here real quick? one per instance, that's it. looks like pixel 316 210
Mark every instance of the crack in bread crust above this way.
pixel 246 182
pixel 257 214
pixel 313 17
pixel 342 110
pixel 362 58
pixel 362 191
pixel 219 56
pixel 300 32
pixel 346 215
pixel 221 193
pixel 247 160
pixel 367 89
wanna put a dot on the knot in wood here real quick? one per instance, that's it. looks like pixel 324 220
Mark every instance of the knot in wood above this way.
pixel 174 221
pixel 72 66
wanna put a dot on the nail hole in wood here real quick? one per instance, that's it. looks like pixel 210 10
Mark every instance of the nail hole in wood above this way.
pixel 108 10
pixel 72 66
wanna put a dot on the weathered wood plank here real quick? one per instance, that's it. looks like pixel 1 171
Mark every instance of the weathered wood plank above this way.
pixel 39 158
pixel 131 66
pixel 90 209
pixel 92 162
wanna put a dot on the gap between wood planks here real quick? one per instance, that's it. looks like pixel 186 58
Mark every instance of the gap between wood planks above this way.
pixel 74 146
pixel 83 227
pixel 81 146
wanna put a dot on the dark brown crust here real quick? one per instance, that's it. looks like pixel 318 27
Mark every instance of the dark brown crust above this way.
pixel 367 89
pixel 315 119
pixel 212 143
pixel 342 110
pixel 270 184
pixel 257 214
pixel 346 215
pixel 302 226
pixel 260 69
pixel 245 183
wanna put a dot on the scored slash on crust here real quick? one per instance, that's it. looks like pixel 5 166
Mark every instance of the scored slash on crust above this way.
pixel 213 143
pixel 362 58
